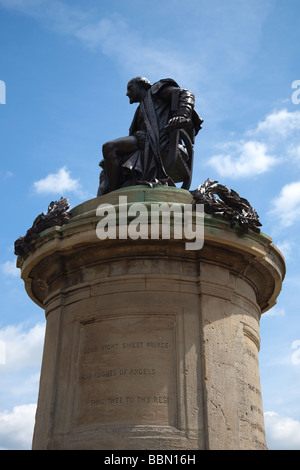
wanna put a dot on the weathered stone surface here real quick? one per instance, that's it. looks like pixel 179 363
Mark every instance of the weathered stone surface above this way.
pixel 150 346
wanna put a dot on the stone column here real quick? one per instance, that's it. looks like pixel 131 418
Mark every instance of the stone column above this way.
pixel 149 345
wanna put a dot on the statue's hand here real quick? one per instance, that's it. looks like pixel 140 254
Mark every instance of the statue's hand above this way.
pixel 177 122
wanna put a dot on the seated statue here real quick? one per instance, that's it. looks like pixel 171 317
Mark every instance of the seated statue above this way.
pixel 159 148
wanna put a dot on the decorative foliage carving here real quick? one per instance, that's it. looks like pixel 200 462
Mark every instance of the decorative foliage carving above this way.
pixel 57 215
pixel 220 201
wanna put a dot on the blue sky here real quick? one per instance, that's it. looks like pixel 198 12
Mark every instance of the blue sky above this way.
pixel 64 66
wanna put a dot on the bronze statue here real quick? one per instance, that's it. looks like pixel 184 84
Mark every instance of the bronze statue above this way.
pixel 159 148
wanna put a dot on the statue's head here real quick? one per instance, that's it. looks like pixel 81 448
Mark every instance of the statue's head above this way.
pixel 137 88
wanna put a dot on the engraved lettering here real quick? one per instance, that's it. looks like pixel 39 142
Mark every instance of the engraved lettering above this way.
pixel 257 409
pixel 90 350
pixel 254 389
pixel 141 371
pixel 157 345
pixel 132 345
pixel 258 427
pixel 109 347
pixel 143 399
pixel 105 373
pixel 96 402
pixel 162 400
pixel 251 354
pixel 116 400
pixel 120 356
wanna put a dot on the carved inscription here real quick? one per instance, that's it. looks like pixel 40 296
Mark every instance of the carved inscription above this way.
pixel 126 371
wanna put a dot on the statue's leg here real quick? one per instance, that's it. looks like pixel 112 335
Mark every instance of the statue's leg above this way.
pixel 103 180
pixel 110 151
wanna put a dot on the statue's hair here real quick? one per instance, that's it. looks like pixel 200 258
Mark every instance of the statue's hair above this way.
pixel 144 82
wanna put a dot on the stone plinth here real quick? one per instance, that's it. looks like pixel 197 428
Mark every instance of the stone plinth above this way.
pixel 148 345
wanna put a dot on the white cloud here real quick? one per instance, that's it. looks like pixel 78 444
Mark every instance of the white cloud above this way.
pixel 19 379
pixel 254 155
pixel 58 183
pixel 16 427
pixel 61 17
pixel 275 312
pixel 245 159
pixel 283 433
pixel 139 50
pixel 286 207
pixel 279 123
pixel 294 152
pixel 9 269
pixel 114 37
pixel 22 348
pixel 296 354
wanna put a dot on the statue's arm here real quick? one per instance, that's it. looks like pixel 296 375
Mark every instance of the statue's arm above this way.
pixel 183 115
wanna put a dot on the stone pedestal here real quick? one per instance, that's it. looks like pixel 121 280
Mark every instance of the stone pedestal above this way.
pixel 148 345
